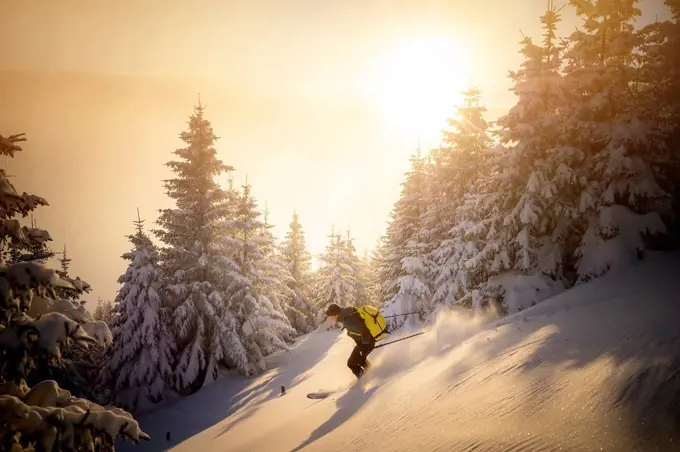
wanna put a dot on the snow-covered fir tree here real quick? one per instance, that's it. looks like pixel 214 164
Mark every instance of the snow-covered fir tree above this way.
pixel 376 269
pixel 38 330
pixel 142 355
pixel 20 243
pixel 336 277
pixel 415 292
pixel 35 249
pixel 457 166
pixel 358 270
pixel 104 311
pixel 276 279
pixel 518 212
pixel 366 278
pixel 670 68
pixel 65 261
pixel 406 278
pixel 297 260
pixel 668 78
pixel 191 258
pixel 263 329
pixel 660 69
pixel 619 134
pixel 78 284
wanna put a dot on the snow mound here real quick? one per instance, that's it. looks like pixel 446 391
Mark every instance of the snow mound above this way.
pixel 50 416
pixel 596 367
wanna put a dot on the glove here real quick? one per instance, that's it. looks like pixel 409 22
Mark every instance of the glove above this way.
pixel 365 340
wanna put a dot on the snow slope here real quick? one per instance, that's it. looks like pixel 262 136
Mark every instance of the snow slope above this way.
pixel 594 368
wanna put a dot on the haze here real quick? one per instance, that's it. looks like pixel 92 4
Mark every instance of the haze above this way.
pixel 293 88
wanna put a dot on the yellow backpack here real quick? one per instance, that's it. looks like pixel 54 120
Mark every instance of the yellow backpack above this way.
pixel 374 320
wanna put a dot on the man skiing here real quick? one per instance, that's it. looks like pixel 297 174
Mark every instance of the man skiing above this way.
pixel 357 329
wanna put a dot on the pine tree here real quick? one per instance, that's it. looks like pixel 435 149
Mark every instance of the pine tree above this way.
pixel 403 225
pixel 406 279
pixel 336 280
pixel 276 278
pixel 518 220
pixel 44 416
pixel 357 270
pixel 65 261
pixel 377 271
pixel 457 168
pixel 142 354
pixel 668 78
pixel 619 135
pixel 191 259
pixel 367 278
pixel 19 243
pixel 78 285
pixel 415 293
pixel 297 260
pixel 76 370
pixel 264 329
pixel 660 69
pixel 104 311
pixel 98 313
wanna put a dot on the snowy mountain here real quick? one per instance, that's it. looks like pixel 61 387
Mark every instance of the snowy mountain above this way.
pixel 593 368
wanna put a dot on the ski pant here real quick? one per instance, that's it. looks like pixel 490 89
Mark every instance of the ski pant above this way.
pixel 357 359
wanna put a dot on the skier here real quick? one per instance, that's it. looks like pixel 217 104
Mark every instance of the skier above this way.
pixel 355 323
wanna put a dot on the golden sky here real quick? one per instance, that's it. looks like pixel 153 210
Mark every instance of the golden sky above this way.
pixel 300 92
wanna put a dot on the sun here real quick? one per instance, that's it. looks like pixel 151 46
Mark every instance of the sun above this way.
pixel 417 84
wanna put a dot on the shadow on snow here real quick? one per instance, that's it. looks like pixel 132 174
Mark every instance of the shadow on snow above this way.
pixel 629 318
pixel 347 405
pixel 230 397
pixel 308 352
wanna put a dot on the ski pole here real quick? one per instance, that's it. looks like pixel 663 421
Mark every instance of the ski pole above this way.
pixel 406 313
pixel 402 339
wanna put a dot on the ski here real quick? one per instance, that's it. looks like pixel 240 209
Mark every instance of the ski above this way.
pixel 319 394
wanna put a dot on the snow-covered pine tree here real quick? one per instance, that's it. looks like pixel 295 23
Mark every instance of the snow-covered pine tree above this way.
pixel 415 292
pixel 516 215
pixel 358 271
pixel 140 368
pixel 78 284
pixel 20 243
pixel 104 311
pixel 276 279
pixel 404 223
pixel 458 165
pixel 98 313
pixel 436 216
pixel 671 95
pixel 669 66
pixel 225 270
pixel 44 416
pixel 336 279
pixel 298 262
pixel 37 248
pixel 65 261
pixel 377 269
pixel 620 134
pixel 668 77
pixel 407 281
pixel 661 70
pixel 263 329
pixel 191 260
pixel 366 277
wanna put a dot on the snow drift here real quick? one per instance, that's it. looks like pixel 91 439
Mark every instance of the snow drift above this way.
pixel 596 367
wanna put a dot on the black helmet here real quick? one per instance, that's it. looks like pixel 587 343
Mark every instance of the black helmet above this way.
pixel 333 309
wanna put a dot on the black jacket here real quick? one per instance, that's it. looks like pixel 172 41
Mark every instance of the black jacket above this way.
pixel 354 324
